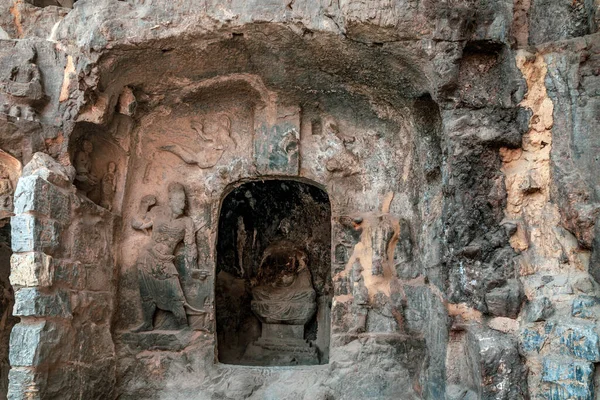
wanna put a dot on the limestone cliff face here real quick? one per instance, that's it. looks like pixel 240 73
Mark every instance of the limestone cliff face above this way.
pixel 435 162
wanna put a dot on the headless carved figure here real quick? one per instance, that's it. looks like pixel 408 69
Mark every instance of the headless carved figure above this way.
pixel 378 238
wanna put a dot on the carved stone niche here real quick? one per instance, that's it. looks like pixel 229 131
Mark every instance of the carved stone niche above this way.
pixel 100 164
pixel 273 286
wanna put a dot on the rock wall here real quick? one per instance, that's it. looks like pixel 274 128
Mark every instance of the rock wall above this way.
pixel 455 142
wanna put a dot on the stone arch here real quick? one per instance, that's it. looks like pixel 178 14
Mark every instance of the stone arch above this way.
pixel 257 219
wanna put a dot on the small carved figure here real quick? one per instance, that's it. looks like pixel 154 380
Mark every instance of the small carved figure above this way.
pixel 158 277
pixel 109 186
pixel 6 192
pixel 289 144
pixel 360 302
pixel 215 136
pixel 29 114
pixel 25 80
pixel 341 161
pixel 241 242
pixel 5 109
pixel 381 238
pixel 86 181
pixel 15 111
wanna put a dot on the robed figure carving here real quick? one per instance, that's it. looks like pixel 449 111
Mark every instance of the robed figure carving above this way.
pixel 158 277
pixel 283 299
pixel 288 297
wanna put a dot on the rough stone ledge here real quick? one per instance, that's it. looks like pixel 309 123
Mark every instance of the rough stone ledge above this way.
pixel 159 340
pixel 341 339
pixel 34 342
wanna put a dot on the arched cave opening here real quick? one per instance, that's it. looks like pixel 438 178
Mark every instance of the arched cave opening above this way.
pixel 273 274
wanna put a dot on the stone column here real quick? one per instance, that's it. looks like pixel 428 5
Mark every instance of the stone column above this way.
pixel 62 345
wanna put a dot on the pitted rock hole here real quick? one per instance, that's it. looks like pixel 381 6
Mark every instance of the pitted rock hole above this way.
pixel 273 288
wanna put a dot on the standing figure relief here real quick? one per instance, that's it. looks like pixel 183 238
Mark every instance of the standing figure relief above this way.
pixel 109 186
pixel 214 134
pixel 158 278
pixel 6 194
pixel 370 272
pixel 85 179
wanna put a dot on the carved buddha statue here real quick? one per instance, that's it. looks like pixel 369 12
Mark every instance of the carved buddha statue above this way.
pixel 284 293
pixel 283 299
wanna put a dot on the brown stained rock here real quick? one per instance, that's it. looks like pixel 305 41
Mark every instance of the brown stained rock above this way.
pixel 33 19
pixel 421 177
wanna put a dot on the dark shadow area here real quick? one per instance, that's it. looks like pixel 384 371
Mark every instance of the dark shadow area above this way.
pixel 56 3
pixel 273 287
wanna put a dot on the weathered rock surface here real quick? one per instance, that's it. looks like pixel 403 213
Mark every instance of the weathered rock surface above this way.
pixel 428 167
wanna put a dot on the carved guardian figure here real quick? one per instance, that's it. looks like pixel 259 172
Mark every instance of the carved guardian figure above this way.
pixel 158 277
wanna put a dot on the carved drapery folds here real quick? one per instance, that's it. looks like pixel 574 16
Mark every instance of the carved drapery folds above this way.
pixel 159 284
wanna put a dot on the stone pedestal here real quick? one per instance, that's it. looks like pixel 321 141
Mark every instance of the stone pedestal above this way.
pixel 281 345
pixel 158 340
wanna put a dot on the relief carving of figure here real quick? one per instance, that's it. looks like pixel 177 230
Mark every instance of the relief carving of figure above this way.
pixel 29 114
pixel 24 80
pixel 158 277
pixel 283 299
pixel 371 273
pixel 215 136
pixel 6 192
pixel 288 297
pixel 361 298
pixel 109 186
pixel 85 180
pixel 380 240
pixel 341 161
